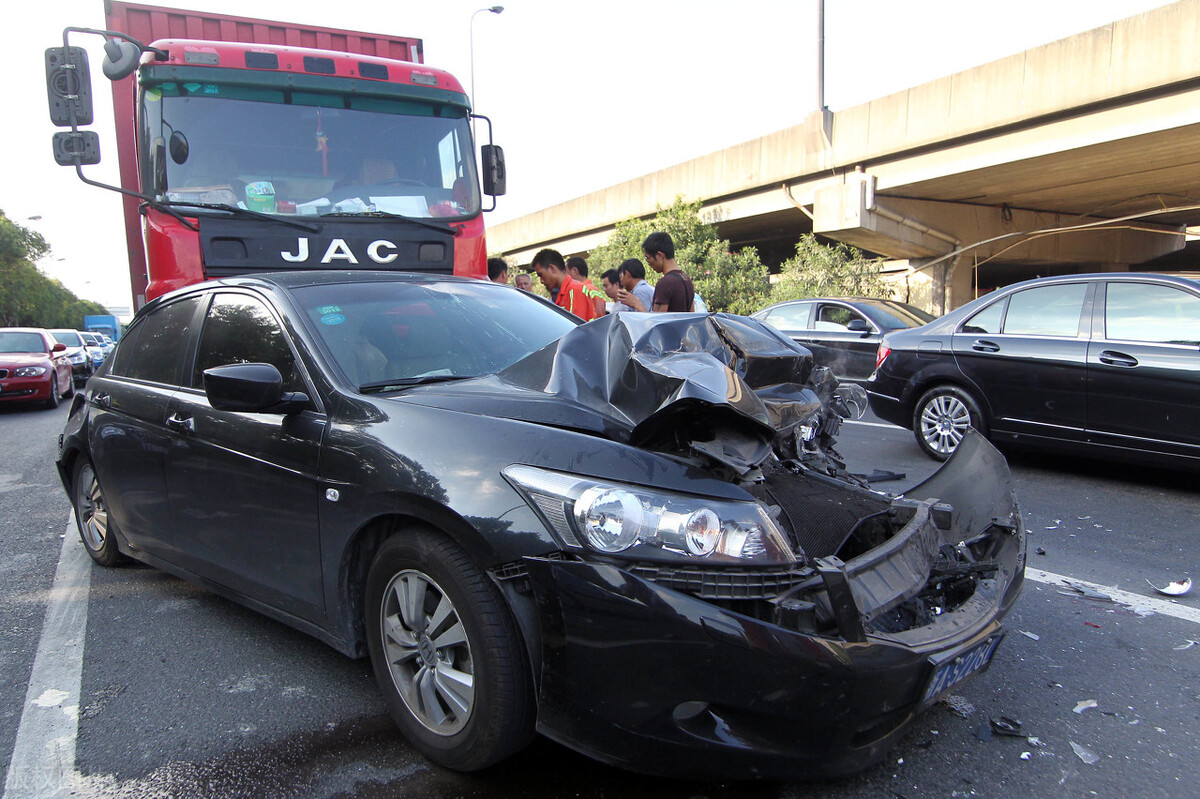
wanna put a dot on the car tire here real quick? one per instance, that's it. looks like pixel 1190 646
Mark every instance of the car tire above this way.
pixel 460 690
pixel 941 418
pixel 97 530
pixel 70 392
pixel 52 403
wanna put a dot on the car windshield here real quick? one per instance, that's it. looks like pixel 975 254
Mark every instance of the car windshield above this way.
pixel 12 341
pixel 385 335
pixel 69 337
pixel 281 151
pixel 893 315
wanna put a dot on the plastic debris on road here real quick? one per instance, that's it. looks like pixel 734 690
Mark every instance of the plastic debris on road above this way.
pixel 1086 704
pixel 1188 644
pixel 1085 754
pixel 1029 635
pixel 958 705
pixel 1177 588
pixel 1006 726
pixel 1087 592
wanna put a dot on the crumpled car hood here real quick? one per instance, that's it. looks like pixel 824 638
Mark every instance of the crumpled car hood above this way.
pixel 723 385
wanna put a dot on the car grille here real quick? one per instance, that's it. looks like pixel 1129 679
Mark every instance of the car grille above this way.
pixel 3 373
pixel 724 583
pixel 820 515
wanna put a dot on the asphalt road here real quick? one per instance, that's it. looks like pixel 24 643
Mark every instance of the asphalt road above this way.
pixel 182 693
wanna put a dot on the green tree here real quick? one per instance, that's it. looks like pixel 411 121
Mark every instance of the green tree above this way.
pixel 735 282
pixel 27 297
pixel 822 270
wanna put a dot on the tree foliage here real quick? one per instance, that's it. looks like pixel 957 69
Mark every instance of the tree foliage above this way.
pixel 735 282
pixel 27 297
pixel 822 270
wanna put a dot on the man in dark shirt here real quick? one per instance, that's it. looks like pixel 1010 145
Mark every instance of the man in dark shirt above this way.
pixel 674 291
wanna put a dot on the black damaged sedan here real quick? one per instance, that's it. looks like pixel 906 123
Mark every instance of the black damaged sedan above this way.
pixel 632 536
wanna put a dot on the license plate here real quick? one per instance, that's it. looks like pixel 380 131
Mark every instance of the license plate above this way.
pixel 953 669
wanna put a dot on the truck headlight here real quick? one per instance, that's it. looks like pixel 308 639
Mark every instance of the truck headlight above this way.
pixel 29 371
pixel 644 523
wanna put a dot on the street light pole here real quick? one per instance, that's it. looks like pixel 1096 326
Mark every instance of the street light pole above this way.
pixel 471 37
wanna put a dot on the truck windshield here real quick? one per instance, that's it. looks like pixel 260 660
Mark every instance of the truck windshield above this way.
pixel 292 152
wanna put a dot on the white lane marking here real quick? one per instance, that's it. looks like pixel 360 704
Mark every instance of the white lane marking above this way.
pixel 875 424
pixel 43 759
pixel 1138 601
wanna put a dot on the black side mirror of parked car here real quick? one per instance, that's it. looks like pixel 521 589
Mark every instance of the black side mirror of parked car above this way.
pixel 857 326
pixel 252 387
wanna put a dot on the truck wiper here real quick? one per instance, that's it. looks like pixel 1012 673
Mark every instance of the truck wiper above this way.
pixel 239 211
pixel 406 382
pixel 441 227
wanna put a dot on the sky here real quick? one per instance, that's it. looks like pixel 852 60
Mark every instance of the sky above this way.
pixel 582 95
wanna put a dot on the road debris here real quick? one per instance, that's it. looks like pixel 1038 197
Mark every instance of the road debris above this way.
pixel 1188 644
pixel 958 705
pixel 1086 704
pixel 1041 550
pixel 1034 741
pixel 1006 726
pixel 1026 755
pixel 1177 588
pixel 1029 635
pixel 1090 593
pixel 1085 754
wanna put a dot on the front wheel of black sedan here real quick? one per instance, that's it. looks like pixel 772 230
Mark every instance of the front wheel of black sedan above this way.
pixel 446 653
pixel 941 419
pixel 96 528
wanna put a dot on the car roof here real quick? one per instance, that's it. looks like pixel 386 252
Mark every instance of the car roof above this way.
pixel 23 330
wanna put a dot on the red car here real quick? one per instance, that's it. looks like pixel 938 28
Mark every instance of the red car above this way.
pixel 33 367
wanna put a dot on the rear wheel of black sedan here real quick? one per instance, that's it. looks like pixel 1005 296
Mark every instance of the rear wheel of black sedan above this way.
pixel 446 653
pixel 96 528
pixel 941 419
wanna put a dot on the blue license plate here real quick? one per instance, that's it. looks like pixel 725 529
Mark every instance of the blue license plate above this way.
pixel 952 670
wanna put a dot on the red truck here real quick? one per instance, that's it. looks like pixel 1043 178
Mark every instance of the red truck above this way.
pixel 247 145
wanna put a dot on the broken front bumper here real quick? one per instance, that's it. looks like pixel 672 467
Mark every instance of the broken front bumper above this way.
pixel 657 680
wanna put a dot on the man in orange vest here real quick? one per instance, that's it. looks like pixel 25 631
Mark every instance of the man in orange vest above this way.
pixel 568 292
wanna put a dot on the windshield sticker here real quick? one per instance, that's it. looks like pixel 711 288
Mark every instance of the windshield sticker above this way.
pixel 332 319
pixel 324 309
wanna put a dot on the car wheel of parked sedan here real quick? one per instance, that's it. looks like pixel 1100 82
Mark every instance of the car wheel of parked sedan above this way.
pixel 70 392
pixel 446 653
pixel 53 401
pixel 96 528
pixel 941 419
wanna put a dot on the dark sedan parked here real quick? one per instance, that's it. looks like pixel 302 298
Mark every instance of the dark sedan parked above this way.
pixel 843 333
pixel 1107 363
pixel 632 536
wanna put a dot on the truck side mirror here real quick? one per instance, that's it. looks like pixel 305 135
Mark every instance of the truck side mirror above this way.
pixel 77 146
pixel 120 59
pixel 178 147
pixel 68 86
pixel 494 173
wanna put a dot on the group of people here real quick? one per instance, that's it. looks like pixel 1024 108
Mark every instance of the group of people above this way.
pixel 624 288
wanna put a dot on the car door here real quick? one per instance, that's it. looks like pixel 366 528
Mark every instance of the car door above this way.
pixel 127 433
pixel 244 486
pixel 843 339
pixel 1027 357
pixel 1144 368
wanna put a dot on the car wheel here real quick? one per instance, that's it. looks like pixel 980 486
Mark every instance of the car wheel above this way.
pixel 446 653
pixel 96 528
pixel 53 401
pixel 941 419
pixel 70 392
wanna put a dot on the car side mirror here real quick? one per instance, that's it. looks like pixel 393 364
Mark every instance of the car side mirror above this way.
pixel 251 387
pixel 58 347
pixel 495 177
pixel 858 326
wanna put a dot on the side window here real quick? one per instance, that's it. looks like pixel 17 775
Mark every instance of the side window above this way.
pixel 1046 311
pixel 837 317
pixel 986 321
pixel 792 317
pixel 1146 312
pixel 240 329
pixel 161 340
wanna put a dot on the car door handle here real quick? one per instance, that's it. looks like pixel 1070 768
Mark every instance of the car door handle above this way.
pixel 982 345
pixel 183 425
pixel 1117 358
pixel 102 400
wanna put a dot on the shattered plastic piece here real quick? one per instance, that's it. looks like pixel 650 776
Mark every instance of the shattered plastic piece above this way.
pixel 1177 588
pixel 984 732
pixel 1006 726
pixel 1041 550
pixel 1085 705
pixel 1034 741
pixel 1087 592
pixel 958 705
pixel 1026 756
pixel 1085 754
pixel 1186 645
pixel 880 476
pixel 1029 635
pixel 1092 624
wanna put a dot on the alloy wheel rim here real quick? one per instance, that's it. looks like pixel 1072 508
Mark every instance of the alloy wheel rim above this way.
pixel 427 651
pixel 93 513
pixel 944 423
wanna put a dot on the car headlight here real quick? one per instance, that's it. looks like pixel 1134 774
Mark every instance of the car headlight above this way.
pixel 30 371
pixel 643 523
pixel 78 357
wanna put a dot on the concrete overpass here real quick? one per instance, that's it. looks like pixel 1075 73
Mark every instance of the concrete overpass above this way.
pixel 1079 155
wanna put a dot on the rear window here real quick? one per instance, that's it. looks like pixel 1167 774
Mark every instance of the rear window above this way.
pixel 69 337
